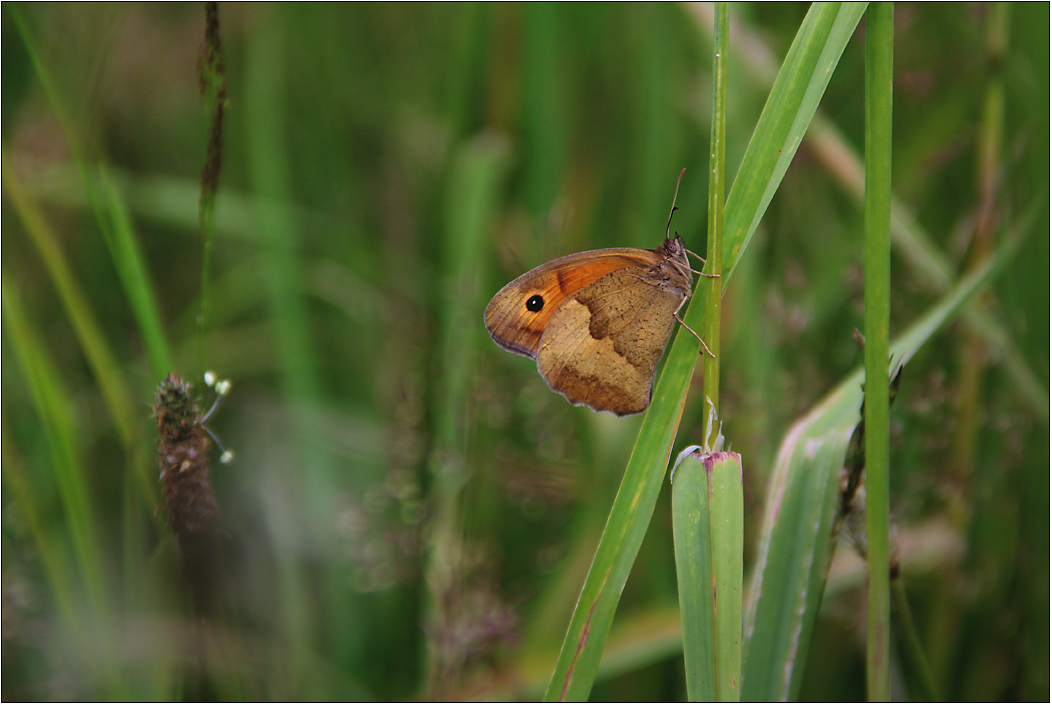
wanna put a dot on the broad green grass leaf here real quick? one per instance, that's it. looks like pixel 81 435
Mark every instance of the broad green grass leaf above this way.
pixel 797 532
pixel 691 527
pixel 727 521
pixel 708 526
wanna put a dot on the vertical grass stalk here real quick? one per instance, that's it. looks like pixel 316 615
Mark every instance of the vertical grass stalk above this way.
pixel 972 353
pixel 879 43
pixel 717 198
pixel 213 89
pixel 270 174
pixel 707 509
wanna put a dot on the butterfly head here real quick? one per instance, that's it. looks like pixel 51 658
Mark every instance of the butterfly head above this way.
pixel 674 247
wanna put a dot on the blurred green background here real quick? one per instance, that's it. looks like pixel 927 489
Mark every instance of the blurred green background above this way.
pixel 413 510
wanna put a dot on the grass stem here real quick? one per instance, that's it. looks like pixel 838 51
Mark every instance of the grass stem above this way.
pixel 717 200
pixel 879 28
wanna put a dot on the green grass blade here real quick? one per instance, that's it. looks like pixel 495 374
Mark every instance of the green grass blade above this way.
pixel 877 321
pixel 472 200
pixel 63 587
pixel 717 199
pixel 115 224
pixel 53 406
pixel 727 533
pixel 117 229
pixel 270 174
pixel 132 272
pixel 89 334
pixel 709 530
pixel 913 656
pixel 691 525
pixel 796 536
pixel 634 504
pixel 213 88
pixel 792 102
pixel 545 133
pixel 270 171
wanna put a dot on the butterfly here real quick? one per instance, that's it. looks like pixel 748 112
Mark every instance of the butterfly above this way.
pixel 597 322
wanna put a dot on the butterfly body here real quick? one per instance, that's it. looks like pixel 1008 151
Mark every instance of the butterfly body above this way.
pixel 597 322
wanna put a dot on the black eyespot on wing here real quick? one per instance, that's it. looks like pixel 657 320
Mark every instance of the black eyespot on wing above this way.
pixel 535 303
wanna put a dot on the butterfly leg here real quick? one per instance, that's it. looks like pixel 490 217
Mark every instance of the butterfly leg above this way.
pixel 695 254
pixel 675 314
pixel 702 260
pixel 689 252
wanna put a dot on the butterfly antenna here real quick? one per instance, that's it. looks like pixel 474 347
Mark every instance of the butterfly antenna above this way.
pixel 669 226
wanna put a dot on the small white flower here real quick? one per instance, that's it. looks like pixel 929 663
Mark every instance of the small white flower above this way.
pixel 223 387
pixel 226 457
pixel 210 378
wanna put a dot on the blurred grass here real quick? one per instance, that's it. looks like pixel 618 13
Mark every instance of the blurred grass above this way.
pixel 333 315
pixel 75 303
pixel 80 529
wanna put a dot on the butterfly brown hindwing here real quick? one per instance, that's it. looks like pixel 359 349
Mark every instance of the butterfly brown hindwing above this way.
pixel 601 348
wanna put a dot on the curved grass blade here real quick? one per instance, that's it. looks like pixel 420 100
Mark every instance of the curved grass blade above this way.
pixel 911 241
pixel 802 79
pixel 116 226
pixel 98 353
pixel 792 103
pixel 132 271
